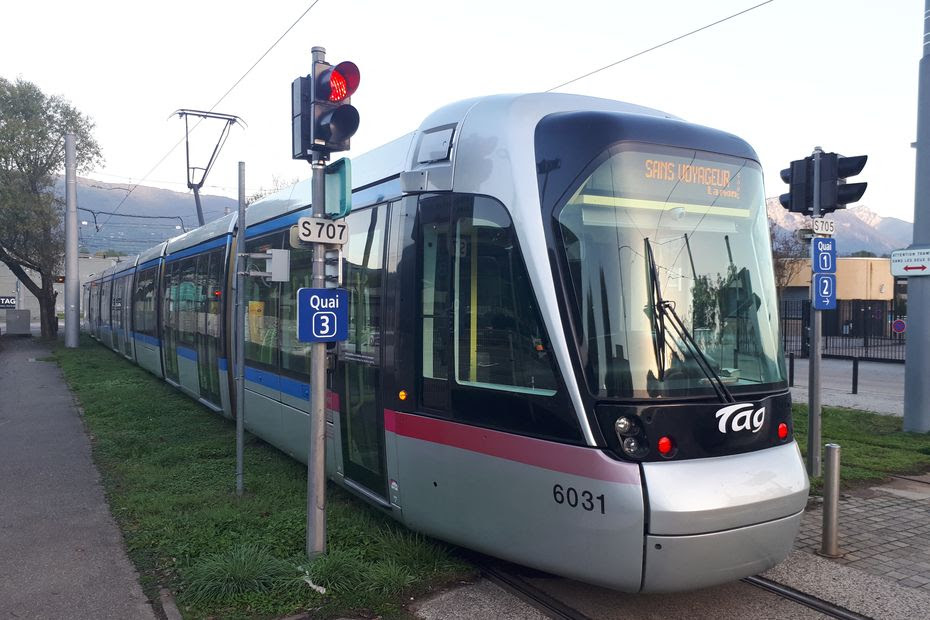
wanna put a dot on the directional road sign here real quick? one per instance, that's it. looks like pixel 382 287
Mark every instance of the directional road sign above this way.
pixel 824 293
pixel 322 314
pixel 823 255
pixel 909 263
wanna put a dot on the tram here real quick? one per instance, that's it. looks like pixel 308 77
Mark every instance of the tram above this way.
pixel 562 343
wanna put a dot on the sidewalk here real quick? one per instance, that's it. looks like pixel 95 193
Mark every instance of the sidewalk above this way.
pixel 881 385
pixel 61 553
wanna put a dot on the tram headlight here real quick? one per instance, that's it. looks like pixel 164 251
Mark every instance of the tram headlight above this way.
pixel 623 426
pixel 630 445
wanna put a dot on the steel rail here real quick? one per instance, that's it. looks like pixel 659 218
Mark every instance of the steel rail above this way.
pixel 803 598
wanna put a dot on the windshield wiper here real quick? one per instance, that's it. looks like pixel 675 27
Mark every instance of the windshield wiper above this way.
pixel 666 309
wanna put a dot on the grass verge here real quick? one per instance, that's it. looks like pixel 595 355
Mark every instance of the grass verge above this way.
pixel 168 467
pixel 873 446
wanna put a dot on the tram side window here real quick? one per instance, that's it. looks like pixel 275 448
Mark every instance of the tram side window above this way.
pixel 499 340
pixel 261 317
pixel 295 356
pixel 213 282
pixel 485 356
pixel 143 306
pixel 187 297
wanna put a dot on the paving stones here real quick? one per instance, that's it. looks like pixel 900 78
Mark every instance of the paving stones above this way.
pixel 883 531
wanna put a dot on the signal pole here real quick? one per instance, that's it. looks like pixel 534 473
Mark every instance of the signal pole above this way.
pixel 917 345
pixel 316 459
pixel 813 367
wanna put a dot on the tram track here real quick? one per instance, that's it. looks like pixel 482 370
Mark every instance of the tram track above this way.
pixel 530 594
pixel 558 610
pixel 803 598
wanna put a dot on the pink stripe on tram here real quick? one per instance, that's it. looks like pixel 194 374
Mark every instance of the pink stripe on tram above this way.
pixel 574 460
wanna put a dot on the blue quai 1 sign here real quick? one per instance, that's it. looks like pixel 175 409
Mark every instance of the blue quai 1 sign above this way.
pixel 322 314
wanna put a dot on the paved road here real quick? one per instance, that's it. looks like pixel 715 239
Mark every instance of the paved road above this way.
pixel 881 385
pixel 61 553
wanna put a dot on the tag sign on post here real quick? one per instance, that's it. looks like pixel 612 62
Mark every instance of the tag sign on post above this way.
pixel 322 315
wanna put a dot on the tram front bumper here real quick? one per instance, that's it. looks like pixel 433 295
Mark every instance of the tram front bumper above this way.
pixel 719 519
pixel 676 563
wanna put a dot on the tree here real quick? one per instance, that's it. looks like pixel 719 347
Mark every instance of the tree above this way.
pixel 32 153
pixel 788 254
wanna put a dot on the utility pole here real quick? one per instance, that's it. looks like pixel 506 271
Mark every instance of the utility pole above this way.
pixel 917 347
pixel 240 334
pixel 72 277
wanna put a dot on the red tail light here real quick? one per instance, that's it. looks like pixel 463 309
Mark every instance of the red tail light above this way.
pixel 665 446
pixel 782 431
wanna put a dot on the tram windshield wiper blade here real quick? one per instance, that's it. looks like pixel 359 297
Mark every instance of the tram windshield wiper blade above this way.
pixel 663 310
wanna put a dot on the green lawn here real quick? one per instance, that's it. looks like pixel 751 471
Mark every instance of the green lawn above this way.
pixel 872 446
pixel 168 466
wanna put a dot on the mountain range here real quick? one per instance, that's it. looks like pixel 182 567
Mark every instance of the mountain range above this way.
pixel 858 228
pixel 164 214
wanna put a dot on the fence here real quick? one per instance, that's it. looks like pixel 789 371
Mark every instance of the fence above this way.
pixel 857 328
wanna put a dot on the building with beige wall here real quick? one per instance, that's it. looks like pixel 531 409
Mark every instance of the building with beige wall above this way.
pixel 856 278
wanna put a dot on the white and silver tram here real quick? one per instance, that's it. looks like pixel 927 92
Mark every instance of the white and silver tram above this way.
pixel 562 345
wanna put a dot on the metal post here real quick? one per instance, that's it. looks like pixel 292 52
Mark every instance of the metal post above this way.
pixel 240 334
pixel 316 455
pixel 791 369
pixel 829 543
pixel 855 377
pixel 917 343
pixel 72 277
pixel 813 381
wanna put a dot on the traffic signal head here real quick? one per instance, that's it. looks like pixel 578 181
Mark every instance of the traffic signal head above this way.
pixel 323 118
pixel 799 198
pixel 835 192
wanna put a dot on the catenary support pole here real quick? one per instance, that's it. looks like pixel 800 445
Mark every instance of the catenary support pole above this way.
pixel 813 380
pixel 316 456
pixel 240 334
pixel 917 346
pixel 72 277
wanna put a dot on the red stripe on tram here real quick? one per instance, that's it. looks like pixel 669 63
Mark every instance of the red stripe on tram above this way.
pixel 574 460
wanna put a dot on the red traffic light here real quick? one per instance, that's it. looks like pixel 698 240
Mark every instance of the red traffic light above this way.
pixel 339 82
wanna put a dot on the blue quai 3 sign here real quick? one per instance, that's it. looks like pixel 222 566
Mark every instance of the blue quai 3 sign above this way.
pixel 322 314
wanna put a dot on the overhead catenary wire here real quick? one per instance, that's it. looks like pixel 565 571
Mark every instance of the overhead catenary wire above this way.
pixel 213 107
pixel 663 44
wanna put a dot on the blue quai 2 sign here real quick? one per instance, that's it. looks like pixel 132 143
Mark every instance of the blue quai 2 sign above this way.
pixel 322 314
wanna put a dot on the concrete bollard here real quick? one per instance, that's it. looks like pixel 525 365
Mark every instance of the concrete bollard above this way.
pixel 829 545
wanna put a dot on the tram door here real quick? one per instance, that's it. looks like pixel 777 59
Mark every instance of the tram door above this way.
pixel 358 361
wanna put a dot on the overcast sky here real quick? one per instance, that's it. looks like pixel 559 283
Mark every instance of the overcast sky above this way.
pixel 787 76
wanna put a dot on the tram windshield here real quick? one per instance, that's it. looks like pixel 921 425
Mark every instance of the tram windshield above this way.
pixel 658 234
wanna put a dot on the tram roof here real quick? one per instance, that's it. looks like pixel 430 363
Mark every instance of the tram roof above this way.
pixel 469 130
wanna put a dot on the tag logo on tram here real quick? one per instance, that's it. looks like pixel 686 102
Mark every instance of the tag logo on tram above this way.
pixel 740 417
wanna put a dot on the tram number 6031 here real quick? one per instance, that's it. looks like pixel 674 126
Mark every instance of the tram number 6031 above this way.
pixel 586 500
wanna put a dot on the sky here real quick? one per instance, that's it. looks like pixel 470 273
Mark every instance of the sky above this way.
pixel 786 77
